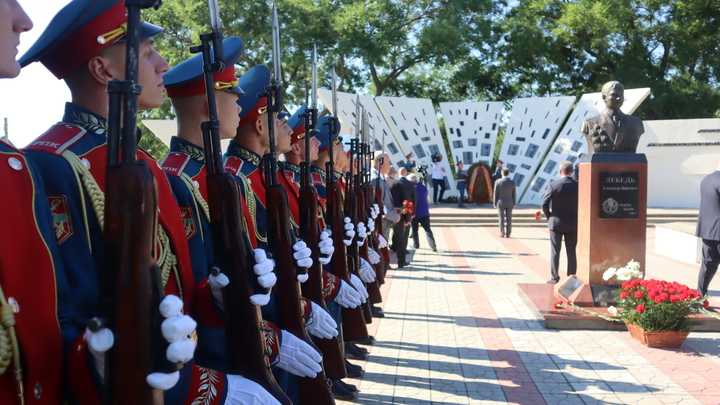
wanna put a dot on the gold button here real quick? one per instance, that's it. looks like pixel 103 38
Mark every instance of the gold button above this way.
pixel 38 390
pixel 14 304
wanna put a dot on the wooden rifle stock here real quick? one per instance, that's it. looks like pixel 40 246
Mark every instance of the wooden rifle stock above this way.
pixel 353 252
pixel 313 391
pixel 333 356
pixel 130 287
pixel 372 241
pixel 373 288
pixel 234 256
pixel 353 321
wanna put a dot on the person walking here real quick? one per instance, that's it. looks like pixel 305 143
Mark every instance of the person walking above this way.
pixel 422 215
pixel 398 196
pixel 505 200
pixel 562 194
pixel 411 193
pixel 708 228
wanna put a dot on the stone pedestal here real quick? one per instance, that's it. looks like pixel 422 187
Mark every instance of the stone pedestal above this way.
pixel 612 214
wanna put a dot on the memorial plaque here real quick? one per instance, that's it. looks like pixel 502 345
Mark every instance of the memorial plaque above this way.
pixel 619 195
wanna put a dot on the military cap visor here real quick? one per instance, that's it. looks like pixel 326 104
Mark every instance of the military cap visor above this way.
pixel 79 31
pixel 322 135
pixel 253 82
pixel 187 79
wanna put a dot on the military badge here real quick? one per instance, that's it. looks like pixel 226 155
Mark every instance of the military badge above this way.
pixel 316 178
pixel 61 217
pixel 188 221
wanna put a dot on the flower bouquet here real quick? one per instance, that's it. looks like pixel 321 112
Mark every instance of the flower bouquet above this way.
pixel 539 215
pixel 408 207
pixel 631 271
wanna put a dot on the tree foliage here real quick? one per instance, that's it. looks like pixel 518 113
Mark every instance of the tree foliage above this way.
pixel 494 50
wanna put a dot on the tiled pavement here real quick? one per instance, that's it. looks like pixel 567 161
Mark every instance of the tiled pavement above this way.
pixel 457 332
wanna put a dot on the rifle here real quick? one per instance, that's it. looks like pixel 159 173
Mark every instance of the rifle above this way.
pixel 130 283
pixel 362 205
pixel 280 240
pixel 369 193
pixel 232 252
pixel 353 324
pixel 333 356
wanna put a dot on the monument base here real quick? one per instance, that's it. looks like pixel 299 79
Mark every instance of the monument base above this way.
pixel 541 299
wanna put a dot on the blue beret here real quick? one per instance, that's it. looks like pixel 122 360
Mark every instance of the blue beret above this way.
pixel 253 82
pixel 78 32
pixel 187 79
pixel 322 134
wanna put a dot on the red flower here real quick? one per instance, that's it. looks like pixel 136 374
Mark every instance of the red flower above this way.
pixel 674 299
pixel 706 304
pixel 538 215
pixel 639 294
pixel 624 295
pixel 558 304
pixel 659 299
pixel 640 309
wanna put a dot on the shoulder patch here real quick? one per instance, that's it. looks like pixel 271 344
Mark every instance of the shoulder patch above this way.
pixel 61 217
pixel 57 139
pixel 175 163
pixel 233 164
pixel 317 179
pixel 188 221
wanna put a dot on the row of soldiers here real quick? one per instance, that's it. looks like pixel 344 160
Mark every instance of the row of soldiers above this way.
pixel 53 246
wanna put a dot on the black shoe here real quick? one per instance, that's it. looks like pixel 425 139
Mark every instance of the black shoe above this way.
pixel 352 353
pixel 553 281
pixel 434 249
pixel 355 347
pixel 502 235
pixel 403 264
pixel 341 393
pixel 416 246
pixel 367 341
pixel 353 371
pixel 377 312
pixel 349 387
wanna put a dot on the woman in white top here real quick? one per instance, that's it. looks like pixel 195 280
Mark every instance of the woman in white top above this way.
pixel 438 179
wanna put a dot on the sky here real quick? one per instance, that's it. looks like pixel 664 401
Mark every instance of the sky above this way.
pixel 35 100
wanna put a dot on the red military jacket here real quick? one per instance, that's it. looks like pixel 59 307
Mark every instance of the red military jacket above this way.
pixel 27 280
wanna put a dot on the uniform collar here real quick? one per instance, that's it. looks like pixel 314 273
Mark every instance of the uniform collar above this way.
pixel 292 167
pixel 251 159
pixel 91 122
pixel 180 145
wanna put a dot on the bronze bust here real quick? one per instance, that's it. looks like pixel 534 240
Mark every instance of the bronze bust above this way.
pixel 612 130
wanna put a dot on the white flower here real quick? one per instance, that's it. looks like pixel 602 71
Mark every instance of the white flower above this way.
pixel 609 273
pixel 633 265
pixel 612 310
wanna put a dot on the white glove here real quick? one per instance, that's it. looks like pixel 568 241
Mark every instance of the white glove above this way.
pixel 373 256
pixel 360 287
pixel 217 283
pixel 326 247
pixel 371 225
pixel 321 324
pixel 302 258
pixel 175 329
pixel 376 211
pixel 266 276
pixel 298 357
pixel 349 231
pixel 347 296
pixel 243 391
pixel 362 233
pixel 367 273
pixel 382 242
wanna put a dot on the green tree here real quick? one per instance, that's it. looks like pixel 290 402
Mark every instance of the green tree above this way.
pixel 553 47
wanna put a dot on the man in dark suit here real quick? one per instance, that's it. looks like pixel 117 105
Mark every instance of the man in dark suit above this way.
pixel 505 200
pixel 498 170
pixel 397 190
pixel 412 194
pixel 708 228
pixel 562 219
pixel 612 130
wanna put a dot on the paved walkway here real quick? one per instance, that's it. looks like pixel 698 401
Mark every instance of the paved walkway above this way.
pixel 457 332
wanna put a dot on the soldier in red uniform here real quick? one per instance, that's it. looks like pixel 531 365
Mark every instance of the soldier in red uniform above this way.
pixel 31 370
pixel 84 45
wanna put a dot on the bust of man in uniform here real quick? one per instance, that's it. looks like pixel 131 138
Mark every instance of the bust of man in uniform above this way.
pixel 612 130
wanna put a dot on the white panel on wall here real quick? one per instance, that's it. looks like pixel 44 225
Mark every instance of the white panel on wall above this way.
pixel 415 126
pixel 533 125
pixel 680 154
pixel 346 107
pixel 472 129
pixel 571 142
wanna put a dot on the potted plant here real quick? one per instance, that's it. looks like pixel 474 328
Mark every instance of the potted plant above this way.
pixel 656 312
